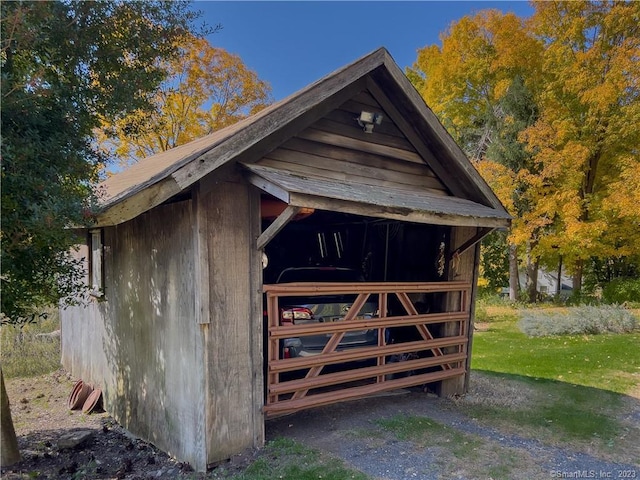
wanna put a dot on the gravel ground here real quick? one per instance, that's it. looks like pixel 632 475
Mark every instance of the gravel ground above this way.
pixel 352 432
pixel 467 449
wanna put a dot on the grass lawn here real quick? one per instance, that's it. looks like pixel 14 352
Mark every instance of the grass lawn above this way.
pixel 578 387
pixel 288 460
pixel 608 362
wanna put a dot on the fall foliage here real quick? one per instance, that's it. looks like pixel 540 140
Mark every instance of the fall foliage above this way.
pixel 561 153
pixel 208 88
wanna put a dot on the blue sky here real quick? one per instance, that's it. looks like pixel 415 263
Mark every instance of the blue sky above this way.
pixel 291 44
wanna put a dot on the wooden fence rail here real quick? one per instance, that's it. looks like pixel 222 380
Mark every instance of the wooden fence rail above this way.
pixel 429 356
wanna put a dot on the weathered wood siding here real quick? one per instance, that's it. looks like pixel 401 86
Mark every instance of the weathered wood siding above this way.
pixel 230 213
pixel 336 148
pixel 142 344
pixel 83 337
pixel 463 268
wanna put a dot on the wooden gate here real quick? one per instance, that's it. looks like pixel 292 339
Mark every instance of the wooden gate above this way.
pixel 437 351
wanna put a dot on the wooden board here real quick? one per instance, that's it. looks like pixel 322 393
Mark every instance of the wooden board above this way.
pixel 410 204
pixel 233 352
pixel 307 164
pixel 337 152
pixel 463 268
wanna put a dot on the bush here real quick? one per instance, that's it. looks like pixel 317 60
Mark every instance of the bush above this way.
pixel 577 321
pixel 622 290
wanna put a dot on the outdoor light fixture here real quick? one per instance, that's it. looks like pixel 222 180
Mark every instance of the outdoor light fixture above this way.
pixel 368 119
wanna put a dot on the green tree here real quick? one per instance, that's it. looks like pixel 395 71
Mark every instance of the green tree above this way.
pixel 517 110
pixel 66 65
pixel 494 261
pixel 207 89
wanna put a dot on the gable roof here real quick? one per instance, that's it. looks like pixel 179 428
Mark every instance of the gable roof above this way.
pixel 155 179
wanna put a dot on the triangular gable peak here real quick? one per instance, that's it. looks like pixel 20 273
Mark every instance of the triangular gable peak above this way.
pixel 337 147
pixel 309 150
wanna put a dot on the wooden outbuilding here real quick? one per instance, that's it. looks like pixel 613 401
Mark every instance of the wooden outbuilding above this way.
pixel 182 332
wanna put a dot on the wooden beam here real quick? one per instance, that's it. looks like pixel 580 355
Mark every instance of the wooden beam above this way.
pixel 277 225
pixel 329 379
pixel 361 353
pixel 269 187
pixel 361 145
pixel 201 251
pixel 474 182
pixel 118 212
pixel 480 234
pixel 394 213
pixel 327 398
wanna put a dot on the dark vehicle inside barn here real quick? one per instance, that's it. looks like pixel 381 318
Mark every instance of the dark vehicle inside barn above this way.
pixel 323 309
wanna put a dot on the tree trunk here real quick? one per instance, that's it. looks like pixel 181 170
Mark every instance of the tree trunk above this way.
pixel 559 282
pixel 532 277
pixel 9 452
pixel 514 279
pixel 577 277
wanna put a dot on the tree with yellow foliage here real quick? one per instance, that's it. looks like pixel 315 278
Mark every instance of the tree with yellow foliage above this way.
pixel 586 139
pixel 208 89
pixel 480 84
pixel 574 189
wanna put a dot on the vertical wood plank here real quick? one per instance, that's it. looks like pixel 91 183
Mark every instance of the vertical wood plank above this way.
pixel 201 252
pixel 256 319
pixel 460 268
pixel 234 392
pixel 472 314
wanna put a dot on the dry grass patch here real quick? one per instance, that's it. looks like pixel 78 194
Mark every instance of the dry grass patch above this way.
pixel 601 423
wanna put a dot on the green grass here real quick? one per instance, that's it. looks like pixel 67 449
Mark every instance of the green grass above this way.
pixel 610 362
pixel 26 355
pixel 559 412
pixel 427 433
pixel 578 381
pixel 286 459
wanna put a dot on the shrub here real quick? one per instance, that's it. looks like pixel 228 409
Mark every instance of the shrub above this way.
pixel 585 319
pixel 622 290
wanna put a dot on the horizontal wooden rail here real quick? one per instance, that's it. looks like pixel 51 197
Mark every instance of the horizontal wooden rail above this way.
pixel 366 324
pixel 329 288
pixel 358 392
pixel 362 353
pixel 365 372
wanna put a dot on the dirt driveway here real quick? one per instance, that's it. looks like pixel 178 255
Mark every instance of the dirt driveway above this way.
pixel 368 436
pixel 372 435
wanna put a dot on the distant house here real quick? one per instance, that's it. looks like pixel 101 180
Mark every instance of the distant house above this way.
pixel 548 283
pixel 184 330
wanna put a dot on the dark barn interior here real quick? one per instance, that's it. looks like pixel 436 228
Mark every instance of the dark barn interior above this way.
pixel 381 250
